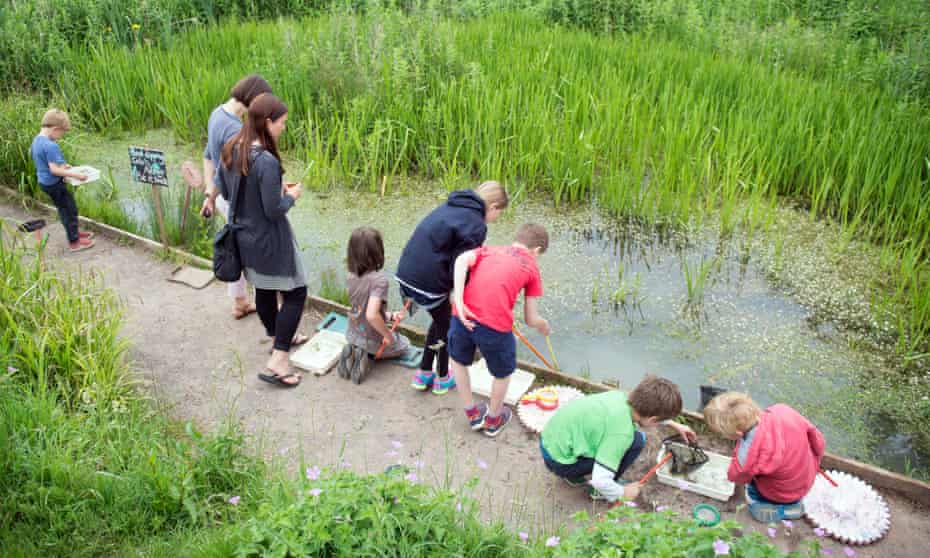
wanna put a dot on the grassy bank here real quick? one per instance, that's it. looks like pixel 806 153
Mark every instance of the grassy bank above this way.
pixel 89 468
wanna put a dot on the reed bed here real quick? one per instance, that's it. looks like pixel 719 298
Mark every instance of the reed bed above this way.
pixel 647 126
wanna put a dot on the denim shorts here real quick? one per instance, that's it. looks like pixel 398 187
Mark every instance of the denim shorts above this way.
pixel 498 347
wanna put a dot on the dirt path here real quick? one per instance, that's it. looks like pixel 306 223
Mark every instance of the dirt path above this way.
pixel 200 365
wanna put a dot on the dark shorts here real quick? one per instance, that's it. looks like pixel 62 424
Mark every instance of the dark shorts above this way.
pixel 499 348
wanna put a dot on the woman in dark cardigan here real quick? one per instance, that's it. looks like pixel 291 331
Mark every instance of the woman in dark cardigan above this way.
pixel 259 206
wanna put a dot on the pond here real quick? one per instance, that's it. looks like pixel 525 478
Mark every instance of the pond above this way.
pixel 623 299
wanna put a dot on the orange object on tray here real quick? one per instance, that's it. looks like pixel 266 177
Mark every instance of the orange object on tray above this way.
pixel 546 399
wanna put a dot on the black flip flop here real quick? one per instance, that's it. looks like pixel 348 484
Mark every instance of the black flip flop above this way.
pixel 277 380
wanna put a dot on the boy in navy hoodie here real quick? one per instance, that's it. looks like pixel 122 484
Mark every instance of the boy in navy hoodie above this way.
pixel 425 269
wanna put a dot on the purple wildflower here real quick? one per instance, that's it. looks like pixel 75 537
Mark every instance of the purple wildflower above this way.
pixel 787 523
pixel 553 541
pixel 313 473
pixel 819 532
pixel 315 492
pixel 482 464
pixel 772 532
pixel 411 477
pixel 234 500
pixel 850 553
pixel 721 548
pixel 630 504
pixel 524 536
pixel 396 445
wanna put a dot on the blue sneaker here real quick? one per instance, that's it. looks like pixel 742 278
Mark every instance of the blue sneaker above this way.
pixel 767 512
pixel 442 387
pixel 494 425
pixel 423 380
pixel 477 415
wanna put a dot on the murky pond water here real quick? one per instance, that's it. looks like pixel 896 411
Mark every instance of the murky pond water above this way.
pixel 618 298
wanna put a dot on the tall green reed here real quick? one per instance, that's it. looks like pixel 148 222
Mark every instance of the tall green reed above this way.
pixel 652 127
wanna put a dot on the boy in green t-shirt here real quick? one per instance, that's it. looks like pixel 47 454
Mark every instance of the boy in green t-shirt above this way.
pixel 596 435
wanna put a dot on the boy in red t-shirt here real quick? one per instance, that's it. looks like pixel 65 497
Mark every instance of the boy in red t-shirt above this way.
pixel 483 317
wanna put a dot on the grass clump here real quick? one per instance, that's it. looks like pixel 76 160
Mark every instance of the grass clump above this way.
pixel 86 464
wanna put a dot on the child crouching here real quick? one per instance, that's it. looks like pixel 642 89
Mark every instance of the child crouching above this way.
pixel 777 454
pixel 597 435
pixel 368 320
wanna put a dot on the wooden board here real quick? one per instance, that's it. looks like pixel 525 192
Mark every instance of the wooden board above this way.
pixel 191 276
pixel 481 379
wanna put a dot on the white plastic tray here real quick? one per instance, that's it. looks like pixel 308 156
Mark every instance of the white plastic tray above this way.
pixel 92 175
pixel 708 480
pixel 320 353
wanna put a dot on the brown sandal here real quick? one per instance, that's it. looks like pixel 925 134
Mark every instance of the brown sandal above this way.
pixel 239 314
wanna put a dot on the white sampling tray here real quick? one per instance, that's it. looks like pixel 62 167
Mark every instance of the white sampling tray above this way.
pixel 709 480
pixel 320 353
pixel 92 175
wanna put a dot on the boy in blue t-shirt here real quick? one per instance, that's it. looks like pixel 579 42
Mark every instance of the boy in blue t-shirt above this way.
pixel 52 169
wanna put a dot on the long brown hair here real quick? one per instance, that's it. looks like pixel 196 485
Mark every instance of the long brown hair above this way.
pixel 365 252
pixel 249 88
pixel 265 107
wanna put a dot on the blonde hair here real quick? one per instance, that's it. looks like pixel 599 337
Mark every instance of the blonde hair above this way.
pixel 493 192
pixel 731 413
pixel 56 118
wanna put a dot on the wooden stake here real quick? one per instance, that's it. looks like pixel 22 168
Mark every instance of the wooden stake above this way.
pixel 156 195
pixel 187 208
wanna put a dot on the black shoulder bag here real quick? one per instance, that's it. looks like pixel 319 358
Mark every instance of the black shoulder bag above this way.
pixel 227 265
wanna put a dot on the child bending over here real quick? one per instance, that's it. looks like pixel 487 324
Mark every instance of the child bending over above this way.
pixel 483 318
pixel 597 435
pixel 777 453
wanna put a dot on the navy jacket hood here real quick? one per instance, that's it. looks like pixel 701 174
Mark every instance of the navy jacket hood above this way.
pixel 449 230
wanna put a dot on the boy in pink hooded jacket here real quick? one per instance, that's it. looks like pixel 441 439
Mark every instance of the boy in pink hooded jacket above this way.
pixel 777 454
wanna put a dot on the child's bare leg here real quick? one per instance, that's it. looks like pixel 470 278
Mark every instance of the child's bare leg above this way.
pixel 498 392
pixel 460 372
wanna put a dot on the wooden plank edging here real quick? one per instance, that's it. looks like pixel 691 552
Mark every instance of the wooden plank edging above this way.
pixel 907 487
pixel 110 231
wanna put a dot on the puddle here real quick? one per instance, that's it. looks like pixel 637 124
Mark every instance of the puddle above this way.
pixel 617 298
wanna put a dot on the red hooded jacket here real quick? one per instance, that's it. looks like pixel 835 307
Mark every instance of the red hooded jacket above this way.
pixel 783 458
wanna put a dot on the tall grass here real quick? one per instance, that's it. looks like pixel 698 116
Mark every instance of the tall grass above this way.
pixel 651 127
pixel 85 463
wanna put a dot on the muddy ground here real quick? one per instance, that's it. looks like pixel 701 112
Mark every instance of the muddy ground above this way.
pixel 200 365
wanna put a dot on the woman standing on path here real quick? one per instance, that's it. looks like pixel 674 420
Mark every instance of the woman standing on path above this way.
pixel 250 179
pixel 225 122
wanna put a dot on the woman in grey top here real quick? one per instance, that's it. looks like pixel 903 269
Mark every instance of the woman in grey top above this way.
pixel 251 181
